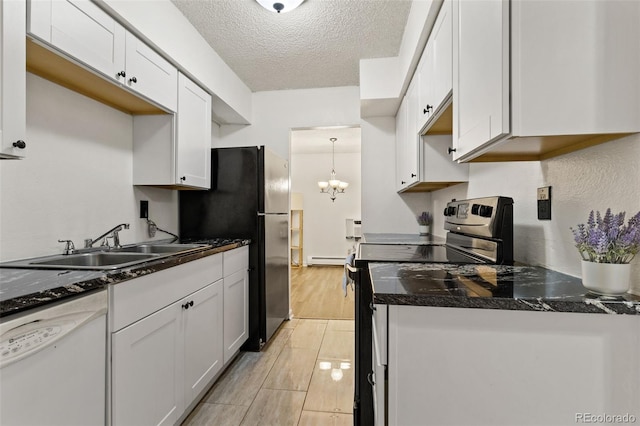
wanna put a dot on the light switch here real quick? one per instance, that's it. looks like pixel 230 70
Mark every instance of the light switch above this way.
pixel 544 203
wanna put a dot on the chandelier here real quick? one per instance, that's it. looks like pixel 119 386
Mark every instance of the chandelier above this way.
pixel 334 186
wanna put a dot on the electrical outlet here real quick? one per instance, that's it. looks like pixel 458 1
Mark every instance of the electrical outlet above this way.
pixel 544 203
pixel 144 209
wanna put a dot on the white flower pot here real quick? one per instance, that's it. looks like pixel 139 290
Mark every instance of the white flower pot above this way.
pixel 424 229
pixel 609 279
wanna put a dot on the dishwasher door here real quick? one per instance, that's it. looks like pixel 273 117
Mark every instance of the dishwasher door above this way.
pixel 53 364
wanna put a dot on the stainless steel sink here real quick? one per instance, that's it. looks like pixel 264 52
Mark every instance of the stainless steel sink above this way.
pixel 93 260
pixel 106 259
pixel 161 248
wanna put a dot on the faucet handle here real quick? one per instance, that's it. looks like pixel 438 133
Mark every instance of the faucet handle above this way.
pixel 69 248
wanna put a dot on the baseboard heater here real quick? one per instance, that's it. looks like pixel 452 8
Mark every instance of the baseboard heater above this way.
pixel 325 260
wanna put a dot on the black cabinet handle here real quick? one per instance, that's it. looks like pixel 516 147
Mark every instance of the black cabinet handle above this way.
pixel 370 379
pixel 402 182
pixel 185 306
pixel 133 80
pixel 413 175
pixel 427 109
pixel 191 303
pixel 20 144
pixel 183 178
pixel 450 150
pixel 121 74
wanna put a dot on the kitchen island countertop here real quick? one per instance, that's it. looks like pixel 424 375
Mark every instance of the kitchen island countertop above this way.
pixel 24 289
pixel 527 288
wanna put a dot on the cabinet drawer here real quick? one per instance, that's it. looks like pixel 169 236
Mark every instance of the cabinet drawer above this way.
pixel 235 260
pixel 132 300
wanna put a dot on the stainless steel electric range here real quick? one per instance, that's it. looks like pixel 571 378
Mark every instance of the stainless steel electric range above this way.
pixel 480 231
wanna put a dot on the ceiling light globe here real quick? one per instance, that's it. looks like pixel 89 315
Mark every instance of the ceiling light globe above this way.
pixel 343 185
pixel 334 183
pixel 280 6
pixel 323 185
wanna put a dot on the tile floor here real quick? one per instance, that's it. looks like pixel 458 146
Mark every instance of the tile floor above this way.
pixel 304 377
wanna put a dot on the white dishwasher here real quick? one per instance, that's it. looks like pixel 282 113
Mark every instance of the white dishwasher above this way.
pixel 53 364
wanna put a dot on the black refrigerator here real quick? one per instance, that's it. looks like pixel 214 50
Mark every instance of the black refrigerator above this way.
pixel 249 198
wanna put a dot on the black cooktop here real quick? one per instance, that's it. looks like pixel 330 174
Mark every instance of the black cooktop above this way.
pixel 412 253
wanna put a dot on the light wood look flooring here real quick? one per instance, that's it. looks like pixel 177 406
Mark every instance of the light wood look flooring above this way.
pixel 316 292
pixel 303 377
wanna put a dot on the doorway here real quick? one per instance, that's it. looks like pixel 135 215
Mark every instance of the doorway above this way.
pixel 322 222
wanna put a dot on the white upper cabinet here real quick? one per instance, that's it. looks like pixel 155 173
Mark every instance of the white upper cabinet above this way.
pixel 401 136
pixel 12 80
pixel 424 163
pixel 87 35
pixel 564 74
pixel 149 74
pixel 174 151
pixel 81 30
pixel 435 71
pixel 193 135
pixel 481 74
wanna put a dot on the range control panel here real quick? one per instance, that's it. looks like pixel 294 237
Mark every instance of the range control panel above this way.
pixel 485 217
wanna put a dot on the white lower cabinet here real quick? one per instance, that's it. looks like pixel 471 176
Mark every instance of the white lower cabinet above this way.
pixel 236 300
pixel 172 332
pixel 236 313
pixel 147 359
pixel 162 362
pixel 498 367
pixel 203 357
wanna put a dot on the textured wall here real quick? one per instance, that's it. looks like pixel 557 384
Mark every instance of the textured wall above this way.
pixel 76 182
pixel 595 178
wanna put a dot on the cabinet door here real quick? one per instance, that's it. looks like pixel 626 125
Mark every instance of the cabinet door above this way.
pixel 412 139
pixel 193 163
pixel 146 370
pixel 150 74
pixel 202 338
pixel 442 56
pixel 12 78
pixel 236 312
pixel 379 357
pixel 401 131
pixel 480 74
pixel 83 31
pixel 425 76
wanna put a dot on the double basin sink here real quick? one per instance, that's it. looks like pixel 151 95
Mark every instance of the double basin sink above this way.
pixel 107 259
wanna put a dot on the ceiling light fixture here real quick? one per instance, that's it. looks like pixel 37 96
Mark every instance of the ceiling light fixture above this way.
pixel 280 6
pixel 334 186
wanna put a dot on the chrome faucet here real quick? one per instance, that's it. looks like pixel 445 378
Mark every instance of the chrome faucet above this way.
pixel 88 243
pixel 69 248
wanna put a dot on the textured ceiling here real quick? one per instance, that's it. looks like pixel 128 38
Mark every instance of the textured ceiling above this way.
pixel 319 44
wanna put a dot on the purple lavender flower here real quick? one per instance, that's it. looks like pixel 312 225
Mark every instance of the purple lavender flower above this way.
pixel 606 239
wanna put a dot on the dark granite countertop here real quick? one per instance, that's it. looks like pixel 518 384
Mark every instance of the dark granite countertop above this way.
pixel 391 238
pixel 526 288
pixel 24 289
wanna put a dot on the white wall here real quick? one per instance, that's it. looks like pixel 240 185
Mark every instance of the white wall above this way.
pixel 383 209
pixel 324 221
pixel 595 178
pixel 76 182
